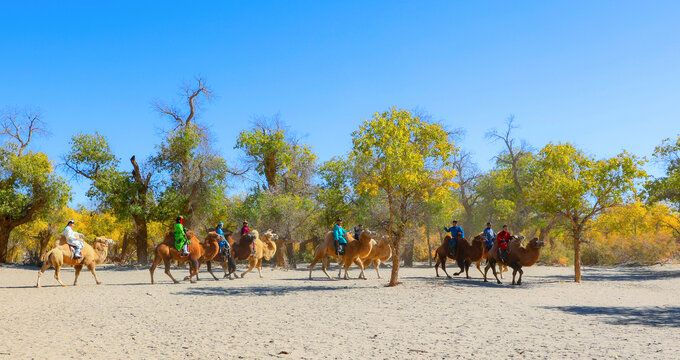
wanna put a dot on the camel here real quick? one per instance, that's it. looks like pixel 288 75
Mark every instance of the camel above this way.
pixel 211 249
pixel 264 248
pixel 356 251
pixel 62 254
pixel 381 252
pixel 166 252
pixel 466 254
pixel 324 251
pixel 518 256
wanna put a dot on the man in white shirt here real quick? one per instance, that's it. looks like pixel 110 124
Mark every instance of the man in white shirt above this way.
pixel 73 238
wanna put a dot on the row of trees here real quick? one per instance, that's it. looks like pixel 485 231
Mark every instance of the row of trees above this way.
pixel 404 176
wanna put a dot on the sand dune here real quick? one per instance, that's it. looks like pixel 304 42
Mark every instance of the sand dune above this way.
pixel 614 313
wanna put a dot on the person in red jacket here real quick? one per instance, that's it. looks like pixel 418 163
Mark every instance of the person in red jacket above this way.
pixel 244 231
pixel 503 239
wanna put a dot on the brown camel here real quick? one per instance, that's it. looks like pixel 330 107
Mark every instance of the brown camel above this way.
pixel 166 252
pixel 356 251
pixel 62 254
pixel 465 255
pixel 326 250
pixel 211 249
pixel 381 252
pixel 518 256
pixel 241 250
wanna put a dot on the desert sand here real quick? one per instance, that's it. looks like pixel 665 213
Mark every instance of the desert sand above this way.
pixel 621 312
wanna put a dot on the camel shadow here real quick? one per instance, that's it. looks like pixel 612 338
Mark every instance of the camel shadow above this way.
pixel 614 315
pixel 255 290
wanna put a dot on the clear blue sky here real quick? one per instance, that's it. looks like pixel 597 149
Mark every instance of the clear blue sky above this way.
pixel 604 75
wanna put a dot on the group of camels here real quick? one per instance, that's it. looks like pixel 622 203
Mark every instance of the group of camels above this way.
pixel 363 252
pixel 467 253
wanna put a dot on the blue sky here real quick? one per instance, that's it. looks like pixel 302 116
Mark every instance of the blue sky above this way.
pixel 603 75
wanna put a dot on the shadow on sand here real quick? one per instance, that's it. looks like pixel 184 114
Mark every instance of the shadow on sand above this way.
pixel 257 290
pixel 621 274
pixel 614 315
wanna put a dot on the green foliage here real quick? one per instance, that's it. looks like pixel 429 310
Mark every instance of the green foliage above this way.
pixel 667 188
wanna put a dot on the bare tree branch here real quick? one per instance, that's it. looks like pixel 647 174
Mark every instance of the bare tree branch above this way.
pixel 21 127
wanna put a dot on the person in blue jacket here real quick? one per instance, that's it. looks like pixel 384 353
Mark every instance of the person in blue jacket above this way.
pixel 222 242
pixel 489 236
pixel 339 237
pixel 456 233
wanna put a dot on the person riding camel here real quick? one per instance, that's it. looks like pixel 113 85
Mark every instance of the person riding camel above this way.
pixel 73 239
pixel 489 235
pixel 503 241
pixel 181 241
pixel 456 233
pixel 357 231
pixel 223 243
pixel 339 237
pixel 244 231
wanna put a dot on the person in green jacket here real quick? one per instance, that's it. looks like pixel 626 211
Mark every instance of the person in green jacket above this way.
pixel 181 242
pixel 339 237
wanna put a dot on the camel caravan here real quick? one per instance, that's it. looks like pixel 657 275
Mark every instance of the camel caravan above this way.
pixel 361 249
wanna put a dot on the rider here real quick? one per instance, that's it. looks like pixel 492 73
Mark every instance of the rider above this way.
pixel 73 239
pixel 489 235
pixel 244 231
pixel 503 241
pixel 223 243
pixel 456 233
pixel 181 241
pixel 339 237
pixel 357 231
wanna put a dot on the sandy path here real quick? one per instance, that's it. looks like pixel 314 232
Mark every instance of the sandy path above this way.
pixel 615 312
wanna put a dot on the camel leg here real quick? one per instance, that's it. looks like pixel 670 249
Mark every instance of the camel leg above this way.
pixel 166 262
pixel 46 265
pixel 501 269
pixel 259 267
pixel 209 265
pixel 57 268
pixel 156 261
pixel 341 264
pixel 486 269
pixel 461 265
pixel 493 268
pixel 521 272
pixel 514 272
pixel 346 266
pixel 376 265
pixel 78 268
pixel 324 265
pixel 467 269
pixel 362 275
pixel 194 265
pixel 251 261
pixel 436 264
pixel 478 267
pixel 443 261
pixel 91 268
pixel 311 266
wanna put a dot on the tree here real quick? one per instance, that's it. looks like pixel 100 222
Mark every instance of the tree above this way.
pixel 283 170
pixel 578 188
pixel 28 186
pixel 666 188
pixel 195 173
pixel 406 159
pixel 467 177
pixel 129 195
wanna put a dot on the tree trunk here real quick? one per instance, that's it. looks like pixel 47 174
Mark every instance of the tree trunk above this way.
pixel 429 246
pixel 577 256
pixel 408 253
pixel 396 251
pixel 4 243
pixel 290 251
pixel 281 256
pixel 141 239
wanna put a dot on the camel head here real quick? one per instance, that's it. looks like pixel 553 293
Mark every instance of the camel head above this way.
pixel 535 243
pixel 369 233
pixel 102 243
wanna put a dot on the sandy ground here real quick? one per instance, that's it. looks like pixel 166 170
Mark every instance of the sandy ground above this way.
pixel 615 313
